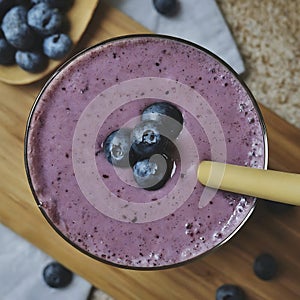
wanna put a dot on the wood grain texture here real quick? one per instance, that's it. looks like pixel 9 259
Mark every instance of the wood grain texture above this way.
pixel 265 231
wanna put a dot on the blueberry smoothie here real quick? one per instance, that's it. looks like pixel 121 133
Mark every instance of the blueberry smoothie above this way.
pixel 103 205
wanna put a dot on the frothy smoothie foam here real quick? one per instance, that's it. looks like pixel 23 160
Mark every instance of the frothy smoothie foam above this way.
pixel 98 207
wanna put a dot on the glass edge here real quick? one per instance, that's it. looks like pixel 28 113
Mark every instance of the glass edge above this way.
pixel 119 38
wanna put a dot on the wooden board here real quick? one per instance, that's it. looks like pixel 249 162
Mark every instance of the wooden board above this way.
pixel 265 231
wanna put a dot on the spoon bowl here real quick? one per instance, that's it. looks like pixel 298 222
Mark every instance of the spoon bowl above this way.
pixel 79 16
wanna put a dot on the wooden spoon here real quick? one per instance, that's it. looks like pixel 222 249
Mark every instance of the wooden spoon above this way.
pixel 79 17
pixel 266 184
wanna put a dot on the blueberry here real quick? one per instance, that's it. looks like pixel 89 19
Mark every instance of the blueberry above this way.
pixel 147 140
pixel 57 46
pixel 31 61
pixel 56 275
pixel 265 266
pixel 167 115
pixel 230 292
pixel 116 147
pixel 7 53
pixel 16 30
pixel 166 7
pixel 152 173
pixel 44 19
pixel 60 4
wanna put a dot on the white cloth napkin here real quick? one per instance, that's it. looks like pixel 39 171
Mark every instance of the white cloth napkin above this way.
pixel 199 21
pixel 21 272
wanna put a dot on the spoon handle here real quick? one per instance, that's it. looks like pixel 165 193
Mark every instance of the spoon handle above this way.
pixel 266 184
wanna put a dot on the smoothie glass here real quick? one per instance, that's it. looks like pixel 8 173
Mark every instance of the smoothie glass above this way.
pixel 97 207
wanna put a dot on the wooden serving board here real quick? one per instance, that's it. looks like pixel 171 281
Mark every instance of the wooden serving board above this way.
pixel 264 232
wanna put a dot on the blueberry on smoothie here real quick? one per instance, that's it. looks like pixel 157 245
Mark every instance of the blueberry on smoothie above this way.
pixel 7 53
pixel 16 30
pixel 147 140
pixel 57 46
pixel 230 292
pixel 116 147
pixel 167 116
pixel 152 173
pixel 166 7
pixel 56 275
pixel 265 266
pixel 44 19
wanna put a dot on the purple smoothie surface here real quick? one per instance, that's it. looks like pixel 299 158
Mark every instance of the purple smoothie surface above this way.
pixel 187 231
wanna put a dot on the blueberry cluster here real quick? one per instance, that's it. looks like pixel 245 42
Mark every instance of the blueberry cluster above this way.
pixel 32 32
pixel 148 148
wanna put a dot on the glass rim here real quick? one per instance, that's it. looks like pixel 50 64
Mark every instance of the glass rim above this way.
pixel 128 37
